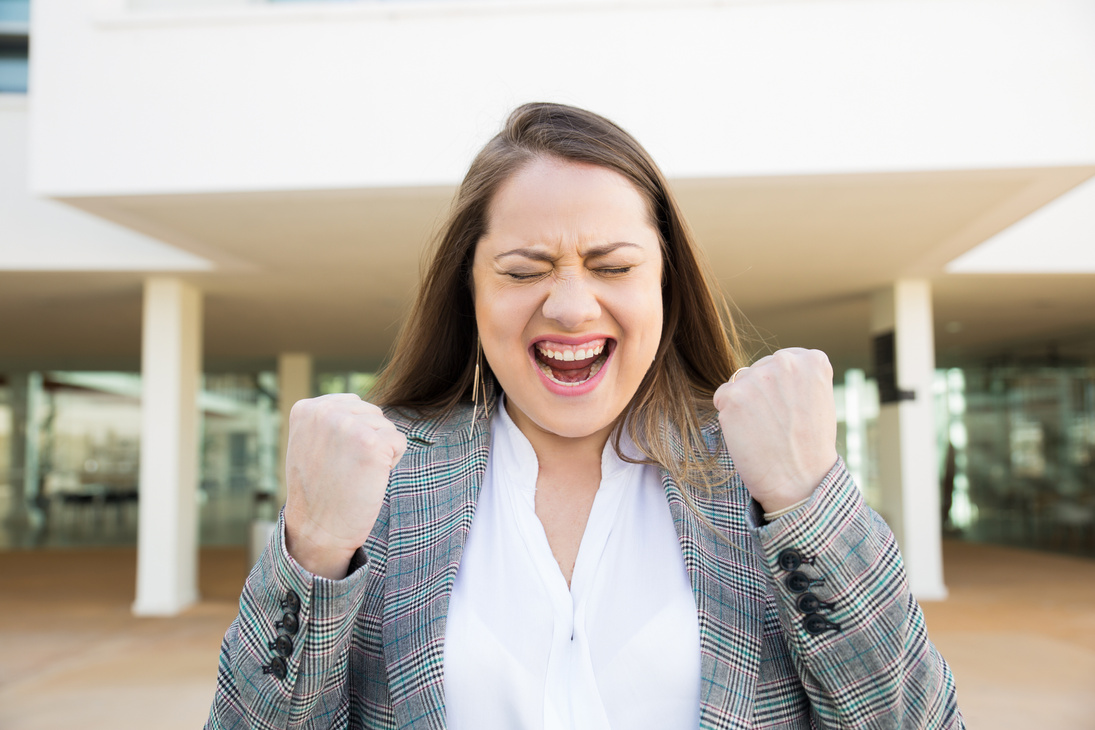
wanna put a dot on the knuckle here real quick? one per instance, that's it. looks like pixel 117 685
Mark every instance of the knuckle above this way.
pixel 364 434
pixel 301 409
pixel 337 400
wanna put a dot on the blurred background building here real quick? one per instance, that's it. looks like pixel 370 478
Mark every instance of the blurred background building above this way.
pixel 212 208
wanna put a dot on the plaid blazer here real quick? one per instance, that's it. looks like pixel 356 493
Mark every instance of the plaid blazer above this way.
pixel 367 651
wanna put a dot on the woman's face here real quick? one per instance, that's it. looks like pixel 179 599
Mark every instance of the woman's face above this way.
pixel 568 296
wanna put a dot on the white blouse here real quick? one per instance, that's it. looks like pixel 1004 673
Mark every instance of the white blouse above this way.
pixel 620 648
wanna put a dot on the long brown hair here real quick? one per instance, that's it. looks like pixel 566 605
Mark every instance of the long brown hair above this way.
pixel 432 367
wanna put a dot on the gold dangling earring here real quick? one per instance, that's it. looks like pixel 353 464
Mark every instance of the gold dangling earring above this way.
pixel 482 382
pixel 475 386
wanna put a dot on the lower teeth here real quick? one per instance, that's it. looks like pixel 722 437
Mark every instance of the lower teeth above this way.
pixel 593 370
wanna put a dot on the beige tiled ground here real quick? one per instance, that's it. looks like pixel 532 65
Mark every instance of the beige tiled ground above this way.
pixel 1018 629
pixel 1019 632
pixel 72 655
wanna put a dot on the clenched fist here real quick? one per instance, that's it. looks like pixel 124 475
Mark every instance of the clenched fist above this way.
pixel 778 418
pixel 341 451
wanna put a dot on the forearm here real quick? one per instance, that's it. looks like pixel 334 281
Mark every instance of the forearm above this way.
pixel 284 660
pixel 862 652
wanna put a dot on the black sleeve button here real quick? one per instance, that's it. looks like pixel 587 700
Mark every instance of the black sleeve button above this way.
pixel 790 559
pixel 816 624
pixel 291 602
pixel 808 603
pixel 277 667
pixel 798 582
pixel 283 645
pixel 289 623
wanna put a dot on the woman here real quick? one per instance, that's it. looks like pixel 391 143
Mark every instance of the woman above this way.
pixel 571 507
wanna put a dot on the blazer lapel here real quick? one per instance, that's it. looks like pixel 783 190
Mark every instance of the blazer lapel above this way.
pixel 729 584
pixel 432 502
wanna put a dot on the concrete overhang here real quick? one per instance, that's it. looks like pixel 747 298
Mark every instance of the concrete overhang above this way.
pixel 332 272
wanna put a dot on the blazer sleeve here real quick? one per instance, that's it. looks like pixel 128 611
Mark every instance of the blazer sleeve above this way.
pixel 284 661
pixel 856 634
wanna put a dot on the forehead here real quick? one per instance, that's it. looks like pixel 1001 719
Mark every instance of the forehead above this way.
pixel 551 202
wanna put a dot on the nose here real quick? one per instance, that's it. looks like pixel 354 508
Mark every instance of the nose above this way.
pixel 571 302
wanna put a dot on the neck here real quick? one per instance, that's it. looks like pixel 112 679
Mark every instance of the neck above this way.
pixel 553 450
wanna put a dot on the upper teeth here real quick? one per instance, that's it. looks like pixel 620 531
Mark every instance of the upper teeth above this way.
pixel 568 355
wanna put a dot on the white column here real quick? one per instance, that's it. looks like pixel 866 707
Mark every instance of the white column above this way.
pixel 171 368
pixel 908 463
pixel 26 399
pixel 294 383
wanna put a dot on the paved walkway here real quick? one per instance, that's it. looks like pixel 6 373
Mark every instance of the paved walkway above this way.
pixel 1019 632
pixel 1018 629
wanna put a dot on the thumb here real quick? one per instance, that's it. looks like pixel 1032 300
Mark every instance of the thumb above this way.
pixel 399 447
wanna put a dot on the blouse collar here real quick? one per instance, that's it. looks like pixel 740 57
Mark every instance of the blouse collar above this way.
pixel 512 447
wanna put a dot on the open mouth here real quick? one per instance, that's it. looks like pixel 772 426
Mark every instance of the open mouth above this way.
pixel 572 365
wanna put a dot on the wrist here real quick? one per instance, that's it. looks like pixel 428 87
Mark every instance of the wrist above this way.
pixel 776 514
pixel 786 493
pixel 782 504
pixel 314 553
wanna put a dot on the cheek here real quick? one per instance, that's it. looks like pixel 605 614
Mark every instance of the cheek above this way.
pixel 501 321
pixel 647 314
pixel 650 339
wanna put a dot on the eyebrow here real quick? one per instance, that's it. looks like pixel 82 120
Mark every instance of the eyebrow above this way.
pixel 589 253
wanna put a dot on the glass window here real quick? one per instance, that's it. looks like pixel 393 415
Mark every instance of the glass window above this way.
pixel 1016 452
pixel 15 12
pixel 83 430
pixel 14 46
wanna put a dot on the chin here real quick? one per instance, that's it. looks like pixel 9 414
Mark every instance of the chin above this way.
pixel 573 421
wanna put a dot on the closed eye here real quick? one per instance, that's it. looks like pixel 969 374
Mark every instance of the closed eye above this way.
pixel 522 276
pixel 613 270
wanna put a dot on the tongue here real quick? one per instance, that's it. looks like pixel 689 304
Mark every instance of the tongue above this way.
pixel 571 375
pixel 570 371
pixel 570 364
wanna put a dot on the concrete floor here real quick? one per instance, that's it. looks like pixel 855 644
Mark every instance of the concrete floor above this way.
pixel 1018 630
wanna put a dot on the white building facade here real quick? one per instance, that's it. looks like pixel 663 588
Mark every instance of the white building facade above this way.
pixel 258 181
